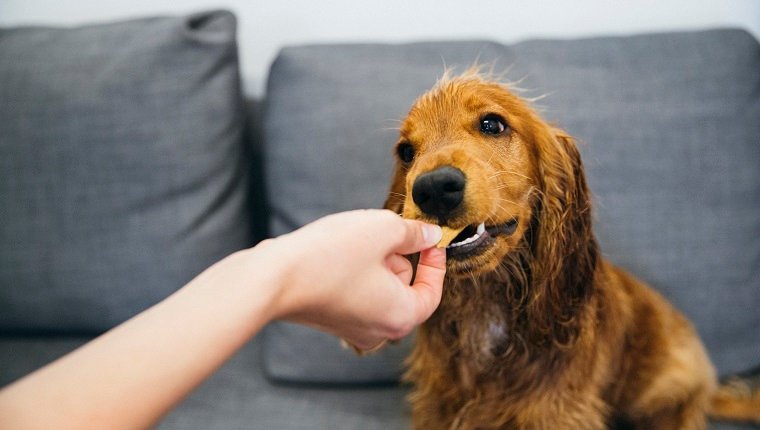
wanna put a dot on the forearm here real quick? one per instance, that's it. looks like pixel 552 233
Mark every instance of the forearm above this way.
pixel 343 274
pixel 132 375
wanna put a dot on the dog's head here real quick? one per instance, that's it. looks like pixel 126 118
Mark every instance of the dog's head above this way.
pixel 472 154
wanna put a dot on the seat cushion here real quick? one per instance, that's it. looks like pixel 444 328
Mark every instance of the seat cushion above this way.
pixel 239 396
pixel 122 166
pixel 667 126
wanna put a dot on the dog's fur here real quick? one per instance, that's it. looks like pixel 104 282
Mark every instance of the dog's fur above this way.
pixel 537 331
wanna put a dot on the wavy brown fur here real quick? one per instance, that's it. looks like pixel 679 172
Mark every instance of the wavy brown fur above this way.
pixel 537 332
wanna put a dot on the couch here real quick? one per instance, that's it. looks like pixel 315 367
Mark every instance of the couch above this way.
pixel 130 160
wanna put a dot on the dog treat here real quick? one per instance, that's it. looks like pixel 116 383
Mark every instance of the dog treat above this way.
pixel 448 235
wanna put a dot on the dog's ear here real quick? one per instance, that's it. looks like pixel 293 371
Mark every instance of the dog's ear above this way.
pixel 397 192
pixel 564 247
pixel 563 233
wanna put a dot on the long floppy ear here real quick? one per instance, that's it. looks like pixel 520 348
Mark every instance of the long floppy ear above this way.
pixel 564 248
pixel 397 193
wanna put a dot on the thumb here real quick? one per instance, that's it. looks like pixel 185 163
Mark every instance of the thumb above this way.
pixel 428 283
pixel 417 236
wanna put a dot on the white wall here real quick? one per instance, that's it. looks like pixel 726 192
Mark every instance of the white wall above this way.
pixel 265 26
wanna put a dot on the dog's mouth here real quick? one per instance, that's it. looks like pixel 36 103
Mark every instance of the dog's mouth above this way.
pixel 477 238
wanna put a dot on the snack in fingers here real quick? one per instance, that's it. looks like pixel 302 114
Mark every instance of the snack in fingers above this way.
pixel 448 235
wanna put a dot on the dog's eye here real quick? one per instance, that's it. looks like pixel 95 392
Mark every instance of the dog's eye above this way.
pixel 405 152
pixel 492 124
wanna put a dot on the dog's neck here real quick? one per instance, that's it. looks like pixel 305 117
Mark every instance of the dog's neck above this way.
pixel 492 316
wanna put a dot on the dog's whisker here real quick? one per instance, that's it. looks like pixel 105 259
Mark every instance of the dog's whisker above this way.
pixel 509 172
pixel 502 187
pixel 396 120
pixel 499 206
pixel 504 199
pixel 493 153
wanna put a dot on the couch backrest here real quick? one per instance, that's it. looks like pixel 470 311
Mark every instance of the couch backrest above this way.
pixel 668 127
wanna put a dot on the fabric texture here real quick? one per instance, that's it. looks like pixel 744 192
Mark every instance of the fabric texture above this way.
pixel 239 396
pixel 667 125
pixel 122 167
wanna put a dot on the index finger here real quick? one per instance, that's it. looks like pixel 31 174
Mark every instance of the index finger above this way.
pixel 428 282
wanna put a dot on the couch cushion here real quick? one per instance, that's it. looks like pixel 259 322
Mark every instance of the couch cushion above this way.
pixel 238 396
pixel 668 130
pixel 122 167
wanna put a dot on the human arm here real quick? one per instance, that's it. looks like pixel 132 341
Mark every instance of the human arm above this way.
pixel 343 274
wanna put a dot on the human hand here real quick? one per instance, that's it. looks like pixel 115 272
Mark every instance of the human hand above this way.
pixel 347 275
pixel 344 274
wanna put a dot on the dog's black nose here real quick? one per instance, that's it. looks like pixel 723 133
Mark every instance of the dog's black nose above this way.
pixel 438 193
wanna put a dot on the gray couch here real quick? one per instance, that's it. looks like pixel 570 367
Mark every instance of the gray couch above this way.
pixel 129 161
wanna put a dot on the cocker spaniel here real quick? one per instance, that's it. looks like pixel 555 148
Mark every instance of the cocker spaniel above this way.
pixel 535 329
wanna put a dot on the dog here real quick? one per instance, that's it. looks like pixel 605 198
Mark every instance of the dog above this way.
pixel 535 329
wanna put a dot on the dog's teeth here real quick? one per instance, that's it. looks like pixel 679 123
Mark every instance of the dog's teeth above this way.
pixel 478 232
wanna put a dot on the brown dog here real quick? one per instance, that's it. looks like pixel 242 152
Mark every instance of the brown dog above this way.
pixel 535 330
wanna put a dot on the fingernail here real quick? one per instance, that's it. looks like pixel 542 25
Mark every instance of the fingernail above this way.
pixel 431 233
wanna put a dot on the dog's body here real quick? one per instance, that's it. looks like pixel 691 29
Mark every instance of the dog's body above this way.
pixel 535 330
pixel 628 358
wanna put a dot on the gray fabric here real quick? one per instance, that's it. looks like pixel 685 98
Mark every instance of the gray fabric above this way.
pixel 668 129
pixel 121 162
pixel 323 360
pixel 239 396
